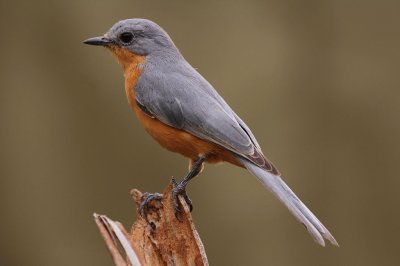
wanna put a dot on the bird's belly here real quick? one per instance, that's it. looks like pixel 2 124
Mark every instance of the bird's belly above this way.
pixel 182 142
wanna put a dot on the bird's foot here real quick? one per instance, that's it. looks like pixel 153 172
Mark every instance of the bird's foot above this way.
pixel 145 206
pixel 180 189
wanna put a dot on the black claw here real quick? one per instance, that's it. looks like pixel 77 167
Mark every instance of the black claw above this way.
pixel 188 201
pixel 179 189
pixel 144 206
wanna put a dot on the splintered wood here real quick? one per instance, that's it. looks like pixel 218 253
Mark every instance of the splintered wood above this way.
pixel 160 238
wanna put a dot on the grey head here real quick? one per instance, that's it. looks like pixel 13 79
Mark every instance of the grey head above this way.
pixel 140 36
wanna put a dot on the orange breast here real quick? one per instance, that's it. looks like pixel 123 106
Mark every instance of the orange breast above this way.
pixel 168 137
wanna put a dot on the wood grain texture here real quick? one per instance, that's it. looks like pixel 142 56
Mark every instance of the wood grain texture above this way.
pixel 160 238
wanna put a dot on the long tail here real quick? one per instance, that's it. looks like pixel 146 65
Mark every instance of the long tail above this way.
pixel 279 188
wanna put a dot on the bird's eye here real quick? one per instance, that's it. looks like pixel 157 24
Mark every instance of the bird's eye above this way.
pixel 126 37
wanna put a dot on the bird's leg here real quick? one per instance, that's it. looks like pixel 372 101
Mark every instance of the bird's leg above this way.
pixel 180 188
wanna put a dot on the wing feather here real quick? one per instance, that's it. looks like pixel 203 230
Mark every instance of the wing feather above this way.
pixel 185 100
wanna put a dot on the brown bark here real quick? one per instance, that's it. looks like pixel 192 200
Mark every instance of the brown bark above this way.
pixel 163 238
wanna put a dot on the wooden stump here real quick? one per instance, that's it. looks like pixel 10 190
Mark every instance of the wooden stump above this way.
pixel 163 238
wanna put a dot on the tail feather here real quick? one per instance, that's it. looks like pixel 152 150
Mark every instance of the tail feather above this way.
pixel 279 188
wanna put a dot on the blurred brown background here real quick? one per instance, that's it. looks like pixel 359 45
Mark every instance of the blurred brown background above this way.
pixel 317 81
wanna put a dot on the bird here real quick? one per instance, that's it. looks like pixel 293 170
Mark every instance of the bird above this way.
pixel 183 112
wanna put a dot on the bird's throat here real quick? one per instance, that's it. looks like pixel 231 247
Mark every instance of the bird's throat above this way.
pixel 132 66
pixel 129 61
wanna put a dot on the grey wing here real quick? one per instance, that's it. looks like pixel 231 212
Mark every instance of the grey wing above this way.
pixel 190 103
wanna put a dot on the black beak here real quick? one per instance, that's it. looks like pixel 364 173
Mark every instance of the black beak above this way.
pixel 101 40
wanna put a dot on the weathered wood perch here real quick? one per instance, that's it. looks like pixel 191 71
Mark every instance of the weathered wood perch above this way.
pixel 163 239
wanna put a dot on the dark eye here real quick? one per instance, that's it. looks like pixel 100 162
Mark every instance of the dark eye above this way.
pixel 126 37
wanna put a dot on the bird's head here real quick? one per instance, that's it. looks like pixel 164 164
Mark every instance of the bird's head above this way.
pixel 132 38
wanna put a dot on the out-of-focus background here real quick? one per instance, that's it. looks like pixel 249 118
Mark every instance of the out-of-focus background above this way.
pixel 317 81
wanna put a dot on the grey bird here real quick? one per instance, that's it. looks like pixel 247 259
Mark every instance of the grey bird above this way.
pixel 184 113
